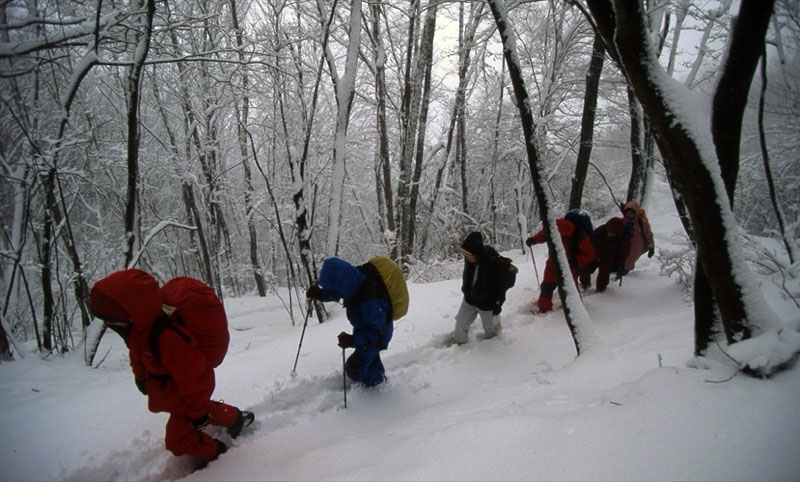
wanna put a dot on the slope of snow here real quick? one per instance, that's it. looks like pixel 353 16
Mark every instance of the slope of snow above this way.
pixel 519 406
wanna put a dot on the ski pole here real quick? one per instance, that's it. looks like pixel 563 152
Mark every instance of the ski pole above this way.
pixel 344 380
pixel 534 267
pixel 305 323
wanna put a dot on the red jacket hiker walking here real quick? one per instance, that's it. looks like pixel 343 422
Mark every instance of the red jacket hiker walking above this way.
pixel 580 255
pixel 170 364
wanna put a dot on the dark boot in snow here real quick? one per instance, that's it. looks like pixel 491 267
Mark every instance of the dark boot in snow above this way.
pixel 243 420
pixel 221 449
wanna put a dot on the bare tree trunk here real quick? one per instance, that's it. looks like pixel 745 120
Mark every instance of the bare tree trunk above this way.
pixel 410 107
pixel 241 130
pixel 743 310
pixel 637 159
pixel 574 312
pixel 788 242
pixel 426 54
pixel 587 122
pixel 133 92
pixel 460 97
pixel 345 90
pixel 383 172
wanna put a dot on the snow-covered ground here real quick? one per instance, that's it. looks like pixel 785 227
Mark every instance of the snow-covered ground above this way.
pixel 519 406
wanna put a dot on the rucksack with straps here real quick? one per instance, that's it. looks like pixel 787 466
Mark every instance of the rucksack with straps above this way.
pixel 506 272
pixel 193 311
pixel 582 221
pixel 384 280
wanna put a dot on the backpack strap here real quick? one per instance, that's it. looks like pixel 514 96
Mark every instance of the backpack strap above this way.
pixel 164 322
pixel 373 287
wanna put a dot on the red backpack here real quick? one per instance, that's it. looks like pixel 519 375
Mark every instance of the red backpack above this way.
pixel 195 312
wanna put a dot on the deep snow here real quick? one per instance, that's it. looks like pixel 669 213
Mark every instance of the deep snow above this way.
pixel 519 406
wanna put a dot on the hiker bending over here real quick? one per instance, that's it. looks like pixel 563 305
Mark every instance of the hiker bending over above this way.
pixel 368 309
pixel 580 255
pixel 487 276
pixel 173 364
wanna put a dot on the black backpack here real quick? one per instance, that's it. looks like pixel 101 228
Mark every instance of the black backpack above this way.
pixel 582 221
pixel 506 272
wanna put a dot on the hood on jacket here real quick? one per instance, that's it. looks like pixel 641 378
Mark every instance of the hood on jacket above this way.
pixel 632 204
pixel 129 294
pixel 340 276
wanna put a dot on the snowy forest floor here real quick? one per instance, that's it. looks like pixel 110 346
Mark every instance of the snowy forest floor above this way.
pixel 517 407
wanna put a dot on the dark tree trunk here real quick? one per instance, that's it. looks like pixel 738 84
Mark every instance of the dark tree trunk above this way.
pixel 637 159
pixel 587 122
pixel 547 217
pixel 696 181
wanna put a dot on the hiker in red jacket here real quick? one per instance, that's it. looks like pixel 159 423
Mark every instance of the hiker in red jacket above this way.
pixel 169 365
pixel 580 255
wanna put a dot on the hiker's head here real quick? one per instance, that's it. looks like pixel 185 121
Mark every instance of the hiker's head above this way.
pixel 631 209
pixel 472 247
pixel 124 298
pixel 340 276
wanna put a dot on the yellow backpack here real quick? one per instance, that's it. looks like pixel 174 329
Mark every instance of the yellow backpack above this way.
pixel 395 283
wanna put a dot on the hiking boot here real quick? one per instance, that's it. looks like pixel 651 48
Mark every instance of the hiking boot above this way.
pixel 221 449
pixel 243 420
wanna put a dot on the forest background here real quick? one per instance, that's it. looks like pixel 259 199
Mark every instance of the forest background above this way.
pixel 241 142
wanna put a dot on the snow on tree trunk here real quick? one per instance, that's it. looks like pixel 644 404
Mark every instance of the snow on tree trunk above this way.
pixel 345 90
pixel 578 321
pixel 685 140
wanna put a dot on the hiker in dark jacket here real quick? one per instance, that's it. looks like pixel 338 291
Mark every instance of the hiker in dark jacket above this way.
pixel 368 313
pixel 612 249
pixel 169 367
pixel 482 288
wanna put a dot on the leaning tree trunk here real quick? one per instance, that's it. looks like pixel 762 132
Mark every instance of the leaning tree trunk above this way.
pixel 587 122
pixel 637 158
pixel 742 307
pixel 574 312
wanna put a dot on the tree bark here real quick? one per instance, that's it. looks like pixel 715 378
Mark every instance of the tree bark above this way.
pixel 587 122
pixel 742 308
pixel 574 311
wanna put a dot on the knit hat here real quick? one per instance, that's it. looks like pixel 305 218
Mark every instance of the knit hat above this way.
pixel 473 244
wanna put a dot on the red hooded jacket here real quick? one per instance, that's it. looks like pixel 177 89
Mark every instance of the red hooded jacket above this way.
pixel 579 253
pixel 181 378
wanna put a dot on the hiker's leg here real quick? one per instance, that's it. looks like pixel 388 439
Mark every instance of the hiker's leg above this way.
pixel 464 318
pixel 491 323
pixel 545 301
pixel 365 366
pixel 222 414
pixel 182 439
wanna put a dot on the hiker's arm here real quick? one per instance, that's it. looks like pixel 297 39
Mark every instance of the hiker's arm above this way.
pixel 189 367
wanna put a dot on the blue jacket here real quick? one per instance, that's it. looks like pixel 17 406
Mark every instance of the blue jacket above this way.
pixel 341 280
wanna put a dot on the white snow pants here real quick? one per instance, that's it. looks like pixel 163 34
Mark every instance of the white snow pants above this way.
pixel 467 314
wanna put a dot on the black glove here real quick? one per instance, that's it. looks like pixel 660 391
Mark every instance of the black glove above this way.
pixel 314 292
pixel 199 423
pixel 529 242
pixel 621 272
pixel 346 340
pixel 497 309
pixel 141 384
pixel 651 252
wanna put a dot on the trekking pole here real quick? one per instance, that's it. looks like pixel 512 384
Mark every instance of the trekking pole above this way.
pixel 305 323
pixel 534 267
pixel 344 380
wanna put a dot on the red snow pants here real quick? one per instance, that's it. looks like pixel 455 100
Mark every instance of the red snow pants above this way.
pixel 182 439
